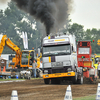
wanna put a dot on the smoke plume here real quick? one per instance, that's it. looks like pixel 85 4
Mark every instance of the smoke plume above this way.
pixel 53 13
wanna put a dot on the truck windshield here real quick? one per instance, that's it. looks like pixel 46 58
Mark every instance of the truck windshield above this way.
pixel 56 50
pixel 84 51
pixel 24 59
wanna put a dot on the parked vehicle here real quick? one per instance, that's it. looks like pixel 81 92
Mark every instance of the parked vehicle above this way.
pixel 84 58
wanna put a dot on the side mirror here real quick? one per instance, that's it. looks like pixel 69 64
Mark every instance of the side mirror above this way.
pixel 73 49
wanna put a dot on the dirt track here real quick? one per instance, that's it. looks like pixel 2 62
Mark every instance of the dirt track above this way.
pixel 37 90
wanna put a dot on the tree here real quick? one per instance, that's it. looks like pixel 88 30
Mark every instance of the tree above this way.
pixel 13 22
pixel 77 30
pixel 93 35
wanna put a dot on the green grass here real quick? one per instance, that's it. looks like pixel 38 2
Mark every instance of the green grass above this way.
pixel 13 79
pixel 37 78
pixel 92 97
pixel 10 79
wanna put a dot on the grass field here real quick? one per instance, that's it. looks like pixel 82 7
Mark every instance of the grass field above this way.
pixel 10 79
pixel 92 97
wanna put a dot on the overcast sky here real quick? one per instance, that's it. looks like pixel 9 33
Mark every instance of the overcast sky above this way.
pixel 86 13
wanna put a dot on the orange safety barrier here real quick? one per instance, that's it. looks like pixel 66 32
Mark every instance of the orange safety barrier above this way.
pixel 4 69
pixel 0 68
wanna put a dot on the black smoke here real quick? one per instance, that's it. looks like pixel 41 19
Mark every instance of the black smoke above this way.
pixel 53 13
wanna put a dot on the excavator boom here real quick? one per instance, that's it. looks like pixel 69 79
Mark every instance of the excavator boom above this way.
pixel 5 41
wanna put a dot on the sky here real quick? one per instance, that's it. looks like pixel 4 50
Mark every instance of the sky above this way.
pixel 85 12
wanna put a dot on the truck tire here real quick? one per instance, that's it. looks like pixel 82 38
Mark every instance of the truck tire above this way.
pixel 28 77
pixel 46 81
pixel 74 78
pixel 80 81
pixel 3 77
pixel 22 76
pixel 53 81
pixel 6 77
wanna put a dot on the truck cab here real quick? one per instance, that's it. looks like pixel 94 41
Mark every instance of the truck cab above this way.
pixel 59 58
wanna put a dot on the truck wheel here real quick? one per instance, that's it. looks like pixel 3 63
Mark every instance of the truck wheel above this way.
pixel 80 81
pixel 53 81
pixel 74 78
pixel 3 77
pixel 23 76
pixel 46 81
pixel 29 77
pixel 6 77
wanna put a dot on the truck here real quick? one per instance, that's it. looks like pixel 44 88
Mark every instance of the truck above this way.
pixel 23 58
pixel 84 58
pixel 59 58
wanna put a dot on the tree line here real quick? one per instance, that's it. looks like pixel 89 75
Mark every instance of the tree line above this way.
pixel 13 22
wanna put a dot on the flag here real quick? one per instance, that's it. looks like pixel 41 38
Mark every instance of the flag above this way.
pixel 26 41
pixel 23 36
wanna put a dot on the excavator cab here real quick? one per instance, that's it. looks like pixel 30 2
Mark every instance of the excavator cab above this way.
pixel 27 58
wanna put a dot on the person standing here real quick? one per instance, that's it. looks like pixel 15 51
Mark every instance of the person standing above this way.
pixel 41 66
pixel 99 69
pixel 34 65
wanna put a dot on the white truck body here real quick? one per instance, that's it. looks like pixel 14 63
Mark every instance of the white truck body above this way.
pixel 59 56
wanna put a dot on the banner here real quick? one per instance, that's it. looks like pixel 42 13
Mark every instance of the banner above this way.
pixel 23 36
pixel 26 41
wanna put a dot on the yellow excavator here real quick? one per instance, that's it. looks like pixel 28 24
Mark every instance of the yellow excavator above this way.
pixel 23 59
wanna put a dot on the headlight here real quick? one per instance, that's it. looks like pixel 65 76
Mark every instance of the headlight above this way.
pixel 69 69
pixel 56 64
pixel 45 71
pixel 66 63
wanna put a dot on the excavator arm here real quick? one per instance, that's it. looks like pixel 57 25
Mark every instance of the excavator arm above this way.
pixel 2 44
pixel 5 41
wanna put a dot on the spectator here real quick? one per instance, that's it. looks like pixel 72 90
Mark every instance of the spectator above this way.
pixel 34 65
pixel 41 66
pixel 99 69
